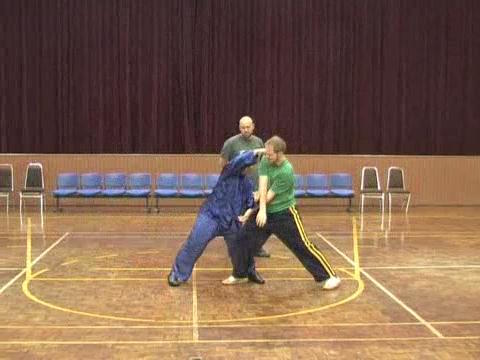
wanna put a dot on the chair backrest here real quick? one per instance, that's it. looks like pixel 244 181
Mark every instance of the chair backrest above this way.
pixel 316 181
pixel 341 181
pixel 299 182
pixel 34 177
pixel 6 178
pixel 191 181
pixel 395 178
pixel 67 181
pixel 167 181
pixel 115 180
pixel 140 181
pixel 370 180
pixel 91 181
pixel 211 180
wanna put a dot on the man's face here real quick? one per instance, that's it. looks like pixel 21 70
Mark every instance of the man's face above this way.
pixel 246 127
pixel 271 155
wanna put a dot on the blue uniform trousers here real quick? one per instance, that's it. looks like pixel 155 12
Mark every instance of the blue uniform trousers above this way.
pixel 204 230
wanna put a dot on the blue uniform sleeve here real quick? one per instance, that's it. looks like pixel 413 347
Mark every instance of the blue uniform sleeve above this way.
pixel 249 200
pixel 240 162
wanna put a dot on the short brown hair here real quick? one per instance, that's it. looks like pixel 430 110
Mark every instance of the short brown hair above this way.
pixel 277 143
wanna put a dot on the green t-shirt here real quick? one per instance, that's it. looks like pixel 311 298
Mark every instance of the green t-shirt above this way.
pixel 281 181
pixel 237 143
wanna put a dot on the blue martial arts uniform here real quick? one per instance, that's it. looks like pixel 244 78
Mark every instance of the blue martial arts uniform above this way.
pixel 218 216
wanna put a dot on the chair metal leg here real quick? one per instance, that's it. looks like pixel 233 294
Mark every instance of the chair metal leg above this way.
pixel 382 199
pixel 8 202
pixel 21 205
pixel 389 204
pixel 408 203
pixel 361 203
pixel 147 208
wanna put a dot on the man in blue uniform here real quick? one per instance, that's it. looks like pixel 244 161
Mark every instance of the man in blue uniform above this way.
pixel 222 214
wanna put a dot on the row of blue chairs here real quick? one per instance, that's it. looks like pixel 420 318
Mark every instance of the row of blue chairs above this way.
pixel 136 185
pixel 189 185
pixel 337 185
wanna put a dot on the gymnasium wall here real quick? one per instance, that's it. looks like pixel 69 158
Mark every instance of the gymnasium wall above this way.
pixel 433 180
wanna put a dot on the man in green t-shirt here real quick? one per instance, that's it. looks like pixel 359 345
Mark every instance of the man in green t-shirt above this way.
pixel 278 215
pixel 241 142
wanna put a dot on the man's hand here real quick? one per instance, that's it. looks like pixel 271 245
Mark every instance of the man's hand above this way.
pixel 261 218
pixel 259 151
pixel 243 219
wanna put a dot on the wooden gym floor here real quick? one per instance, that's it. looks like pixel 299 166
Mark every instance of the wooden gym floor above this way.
pixel 93 285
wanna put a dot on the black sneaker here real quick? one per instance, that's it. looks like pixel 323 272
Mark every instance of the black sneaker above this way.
pixel 172 281
pixel 262 253
pixel 256 278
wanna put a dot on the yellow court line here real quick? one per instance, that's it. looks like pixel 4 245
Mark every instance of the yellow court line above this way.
pixel 21 273
pixel 238 341
pixel 356 256
pixel 199 269
pixel 106 256
pixel 69 262
pixel 194 307
pixel 27 292
pixel 164 279
pixel 28 264
pixel 273 325
pixel 413 267
pixel 385 290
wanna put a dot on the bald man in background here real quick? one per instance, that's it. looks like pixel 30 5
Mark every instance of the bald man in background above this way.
pixel 241 142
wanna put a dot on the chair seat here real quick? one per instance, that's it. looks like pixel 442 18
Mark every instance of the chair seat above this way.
pixel 318 193
pixel 89 192
pixel 191 193
pixel 64 192
pixel 208 191
pixel 138 193
pixel 5 190
pixel 300 193
pixel 398 191
pixel 166 193
pixel 343 192
pixel 113 192
pixel 32 190
pixel 372 192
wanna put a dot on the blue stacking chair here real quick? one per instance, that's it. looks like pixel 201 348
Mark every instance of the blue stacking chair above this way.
pixel 166 187
pixel 299 186
pixel 341 185
pixel 67 186
pixel 210 182
pixel 90 184
pixel 139 186
pixel 191 186
pixel 317 185
pixel 115 185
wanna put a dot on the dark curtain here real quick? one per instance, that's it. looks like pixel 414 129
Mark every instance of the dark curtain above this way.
pixel 153 76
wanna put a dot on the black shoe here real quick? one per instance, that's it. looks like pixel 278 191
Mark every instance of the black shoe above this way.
pixel 172 281
pixel 262 253
pixel 256 278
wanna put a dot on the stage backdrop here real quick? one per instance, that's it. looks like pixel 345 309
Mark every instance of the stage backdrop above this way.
pixel 153 76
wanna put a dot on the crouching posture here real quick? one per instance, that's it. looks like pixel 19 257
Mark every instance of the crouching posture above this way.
pixel 222 214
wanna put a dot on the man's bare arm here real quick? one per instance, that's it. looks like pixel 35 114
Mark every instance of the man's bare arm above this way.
pixel 262 191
